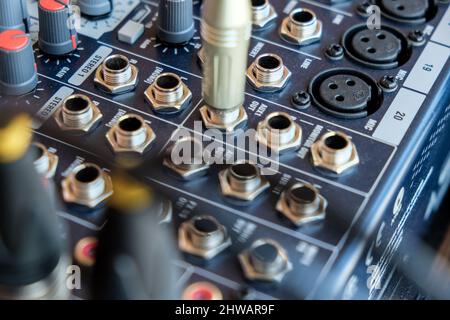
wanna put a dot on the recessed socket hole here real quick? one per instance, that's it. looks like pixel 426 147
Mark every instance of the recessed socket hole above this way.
pixel 303 194
pixel 350 83
pixel 87 174
pixel 303 17
pixel 365 39
pixel 266 253
pixel 340 98
pixel 280 122
pixel 116 63
pixel 168 82
pixel 244 171
pixel 333 86
pixel 130 124
pixel 205 225
pixel 269 62
pixel 381 36
pixel 371 50
pixel 258 3
pixel 76 104
pixel 336 142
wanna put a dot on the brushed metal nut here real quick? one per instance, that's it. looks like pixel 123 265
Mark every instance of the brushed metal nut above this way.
pixel 301 27
pixel 251 272
pixel 187 171
pixel 134 141
pixel 123 83
pixel 45 162
pixel 186 244
pixel 81 119
pixel 168 100
pixel 215 119
pixel 240 184
pixel 279 133
pixel 262 13
pixel 301 212
pixel 268 73
pixel 338 158
pixel 87 192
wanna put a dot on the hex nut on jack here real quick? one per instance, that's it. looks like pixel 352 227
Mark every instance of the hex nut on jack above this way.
pixel 131 134
pixel 87 185
pixel 279 132
pixel 265 260
pixel 335 152
pixel 242 181
pixel 301 204
pixel 301 27
pixel 78 114
pixel 268 73
pixel 116 75
pixel 263 13
pixel 227 121
pixel 168 94
pixel 196 167
pixel 203 236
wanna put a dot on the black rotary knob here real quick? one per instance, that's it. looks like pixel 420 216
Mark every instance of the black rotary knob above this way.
pixel 95 8
pixel 13 15
pixel 17 66
pixel 57 35
pixel 176 22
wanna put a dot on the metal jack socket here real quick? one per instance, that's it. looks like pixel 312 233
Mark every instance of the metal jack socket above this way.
pixel 268 73
pixel 243 181
pixel 301 27
pixel 265 260
pixel 203 236
pixel 334 151
pixel 279 132
pixel 116 75
pixel 263 13
pixel 302 203
pixel 185 159
pixel 168 94
pixel 224 120
pixel 87 185
pixel 78 114
pixel 131 134
pixel 45 162
pixel 225 30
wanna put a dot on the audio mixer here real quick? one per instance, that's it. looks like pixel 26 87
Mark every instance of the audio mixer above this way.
pixel 222 149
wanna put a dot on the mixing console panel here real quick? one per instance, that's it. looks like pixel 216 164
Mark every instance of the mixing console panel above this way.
pixel 348 102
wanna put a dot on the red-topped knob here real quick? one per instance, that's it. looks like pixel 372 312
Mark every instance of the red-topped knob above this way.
pixel 57 35
pixel 17 66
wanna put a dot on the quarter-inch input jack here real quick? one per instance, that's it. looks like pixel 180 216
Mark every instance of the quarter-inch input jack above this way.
pixel 116 75
pixel 301 27
pixel 335 152
pixel 268 73
pixel 78 113
pixel 88 185
pixel 131 134
pixel 263 14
